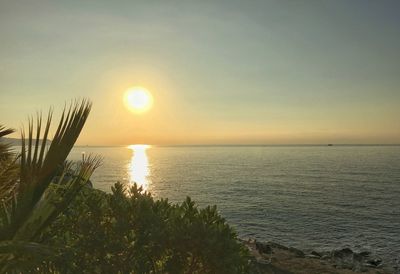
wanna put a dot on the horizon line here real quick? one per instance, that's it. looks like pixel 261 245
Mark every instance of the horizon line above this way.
pixel 244 145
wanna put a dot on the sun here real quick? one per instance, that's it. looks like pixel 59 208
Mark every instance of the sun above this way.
pixel 138 99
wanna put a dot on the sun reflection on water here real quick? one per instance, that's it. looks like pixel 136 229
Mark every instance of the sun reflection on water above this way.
pixel 138 168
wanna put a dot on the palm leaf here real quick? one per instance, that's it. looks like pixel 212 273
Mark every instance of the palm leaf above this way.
pixel 8 168
pixel 5 149
pixel 27 256
pixel 5 131
pixel 36 200
pixel 37 167
pixel 55 199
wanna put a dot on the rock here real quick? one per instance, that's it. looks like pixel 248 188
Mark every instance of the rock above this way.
pixel 369 265
pixel 347 259
pixel 357 257
pixel 374 263
pixel 311 256
pixel 358 262
pixel 263 261
pixel 315 253
pixel 249 248
pixel 276 245
pixel 343 258
pixel 263 248
pixel 297 252
pixel 364 254
pixel 270 257
pixel 342 253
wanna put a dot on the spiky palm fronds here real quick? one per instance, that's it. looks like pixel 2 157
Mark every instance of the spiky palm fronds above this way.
pixel 37 167
pixel 8 167
pixel 5 131
pixel 27 257
pixel 5 151
pixel 37 201
pixel 56 198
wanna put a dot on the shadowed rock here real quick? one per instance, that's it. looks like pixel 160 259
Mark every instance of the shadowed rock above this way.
pixel 263 248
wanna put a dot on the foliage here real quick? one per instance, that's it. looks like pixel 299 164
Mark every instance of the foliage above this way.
pixel 30 201
pixel 8 168
pixel 130 232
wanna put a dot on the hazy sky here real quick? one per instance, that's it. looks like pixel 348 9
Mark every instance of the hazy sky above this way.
pixel 269 72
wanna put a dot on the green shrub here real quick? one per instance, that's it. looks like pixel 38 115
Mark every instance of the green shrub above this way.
pixel 130 232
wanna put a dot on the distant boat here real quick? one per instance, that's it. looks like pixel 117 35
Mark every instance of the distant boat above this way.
pixel 329 145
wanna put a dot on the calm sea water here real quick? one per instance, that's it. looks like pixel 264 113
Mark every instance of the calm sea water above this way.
pixel 311 197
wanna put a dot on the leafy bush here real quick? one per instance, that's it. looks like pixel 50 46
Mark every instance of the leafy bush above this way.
pixel 130 232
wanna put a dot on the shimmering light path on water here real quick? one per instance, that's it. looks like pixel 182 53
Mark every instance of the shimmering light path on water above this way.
pixel 138 168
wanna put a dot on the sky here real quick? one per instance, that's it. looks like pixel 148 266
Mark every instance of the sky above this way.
pixel 220 72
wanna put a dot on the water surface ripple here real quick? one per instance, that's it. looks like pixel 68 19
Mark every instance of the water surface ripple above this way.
pixel 311 197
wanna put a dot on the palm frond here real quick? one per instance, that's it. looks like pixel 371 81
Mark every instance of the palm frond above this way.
pixel 36 201
pixel 27 256
pixel 9 175
pixel 8 168
pixel 56 198
pixel 39 167
pixel 5 131
pixel 5 151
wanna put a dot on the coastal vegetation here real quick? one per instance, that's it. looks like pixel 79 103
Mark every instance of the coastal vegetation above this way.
pixel 53 221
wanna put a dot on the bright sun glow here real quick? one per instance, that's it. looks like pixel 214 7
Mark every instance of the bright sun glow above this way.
pixel 138 99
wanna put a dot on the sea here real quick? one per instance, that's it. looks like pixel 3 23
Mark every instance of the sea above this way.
pixel 308 197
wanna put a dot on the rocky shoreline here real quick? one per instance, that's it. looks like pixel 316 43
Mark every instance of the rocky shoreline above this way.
pixel 274 258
